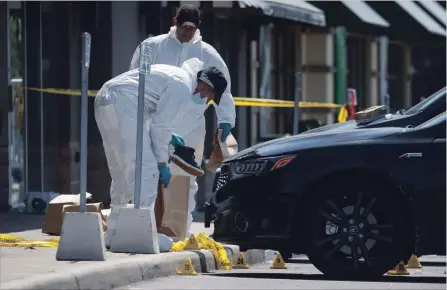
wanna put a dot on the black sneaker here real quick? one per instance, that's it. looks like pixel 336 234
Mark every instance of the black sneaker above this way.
pixel 184 158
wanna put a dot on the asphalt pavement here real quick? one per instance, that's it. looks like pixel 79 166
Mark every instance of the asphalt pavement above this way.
pixel 300 274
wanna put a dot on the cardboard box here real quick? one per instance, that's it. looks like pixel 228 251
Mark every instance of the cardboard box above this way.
pixel 52 222
pixel 90 207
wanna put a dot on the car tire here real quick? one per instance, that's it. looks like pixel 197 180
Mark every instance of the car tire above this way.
pixel 366 215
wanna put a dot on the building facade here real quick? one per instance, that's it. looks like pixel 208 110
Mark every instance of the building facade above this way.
pixel 335 45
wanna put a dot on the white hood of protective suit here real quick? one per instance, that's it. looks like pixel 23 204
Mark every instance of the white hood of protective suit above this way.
pixel 193 66
pixel 196 38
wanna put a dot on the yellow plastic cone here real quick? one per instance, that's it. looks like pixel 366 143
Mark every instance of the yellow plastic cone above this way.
pixel 278 262
pixel 192 243
pixel 400 269
pixel 241 263
pixel 414 263
pixel 187 269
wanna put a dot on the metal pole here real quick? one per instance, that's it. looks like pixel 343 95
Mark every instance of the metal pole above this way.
pixel 25 104
pixel 383 77
pixel 42 167
pixel 86 44
pixel 296 109
pixel 145 69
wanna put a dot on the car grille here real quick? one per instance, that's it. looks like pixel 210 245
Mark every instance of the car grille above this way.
pixel 221 178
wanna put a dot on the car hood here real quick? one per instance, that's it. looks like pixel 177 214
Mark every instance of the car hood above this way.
pixel 327 138
pixel 386 120
pixel 348 125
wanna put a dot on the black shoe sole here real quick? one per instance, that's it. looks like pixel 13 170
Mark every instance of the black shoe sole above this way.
pixel 186 166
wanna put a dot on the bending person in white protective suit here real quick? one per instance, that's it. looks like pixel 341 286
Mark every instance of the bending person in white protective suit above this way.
pixel 167 92
pixel 183 42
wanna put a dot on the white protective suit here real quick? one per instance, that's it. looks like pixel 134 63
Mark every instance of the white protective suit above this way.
pixel 167 91
pixel 168 50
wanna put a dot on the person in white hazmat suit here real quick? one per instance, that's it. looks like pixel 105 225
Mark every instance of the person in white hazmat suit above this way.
pixel 168 90
pixel 182 42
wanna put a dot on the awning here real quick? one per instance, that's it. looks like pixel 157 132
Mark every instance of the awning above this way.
pixel 296 10
pixel 421 16
pixel 436 9
pixel 365 12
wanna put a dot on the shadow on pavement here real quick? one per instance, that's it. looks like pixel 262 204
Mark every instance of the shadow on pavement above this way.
pixel 297 276
pixel 424 263
pixel 297 261
pixel 433 264
pixel 19 222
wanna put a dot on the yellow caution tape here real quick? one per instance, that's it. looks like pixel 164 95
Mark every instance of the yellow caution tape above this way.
pixel 204 242
pixel 342 115
pixel 30 245
pixel 239 101
pixel 223 262
pixel 62 91
pixel 16 242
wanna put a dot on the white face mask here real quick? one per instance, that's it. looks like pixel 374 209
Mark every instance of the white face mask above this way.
pixel 197 99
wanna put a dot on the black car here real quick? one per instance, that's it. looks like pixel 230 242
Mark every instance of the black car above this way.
pixel 356 203
pixel 418 114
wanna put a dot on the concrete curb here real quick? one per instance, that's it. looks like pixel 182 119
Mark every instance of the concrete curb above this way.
pixel 117 273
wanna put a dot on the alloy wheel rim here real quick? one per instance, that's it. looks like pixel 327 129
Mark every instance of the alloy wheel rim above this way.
pixel 353 230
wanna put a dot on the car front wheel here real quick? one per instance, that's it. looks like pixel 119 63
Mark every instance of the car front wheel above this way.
pixel 356 230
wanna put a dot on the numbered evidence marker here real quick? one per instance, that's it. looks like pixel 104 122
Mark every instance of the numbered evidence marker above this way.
pixel 187 269
pixel 278 262
pixel 192 243
pixel 414 263
pixel 241 262
pixel 400 269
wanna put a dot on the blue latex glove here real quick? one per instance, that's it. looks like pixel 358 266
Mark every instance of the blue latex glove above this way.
pixel 176 140
pixel 226 130
pixel 165 174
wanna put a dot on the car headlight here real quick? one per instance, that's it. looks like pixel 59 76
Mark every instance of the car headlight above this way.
pixel 251 167
pixel 258 166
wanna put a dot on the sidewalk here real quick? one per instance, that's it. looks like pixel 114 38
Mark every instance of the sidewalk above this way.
pixel 22 268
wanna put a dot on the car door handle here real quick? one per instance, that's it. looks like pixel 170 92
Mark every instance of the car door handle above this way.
pixel 411 155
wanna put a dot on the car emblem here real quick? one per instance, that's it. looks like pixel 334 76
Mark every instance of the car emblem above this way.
pixel 353 230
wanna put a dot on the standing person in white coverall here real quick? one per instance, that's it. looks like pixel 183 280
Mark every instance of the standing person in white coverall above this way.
pixel 183 42
pixel 168 91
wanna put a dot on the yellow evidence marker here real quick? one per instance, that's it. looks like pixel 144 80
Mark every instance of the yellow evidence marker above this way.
pixel 187 269
pixel 278 262
pixel 414 263
pixel 400 269
pixel 241 262
pixel 192 243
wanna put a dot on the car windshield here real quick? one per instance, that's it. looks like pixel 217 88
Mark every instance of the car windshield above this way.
pixel 433 121
pixel 426 102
